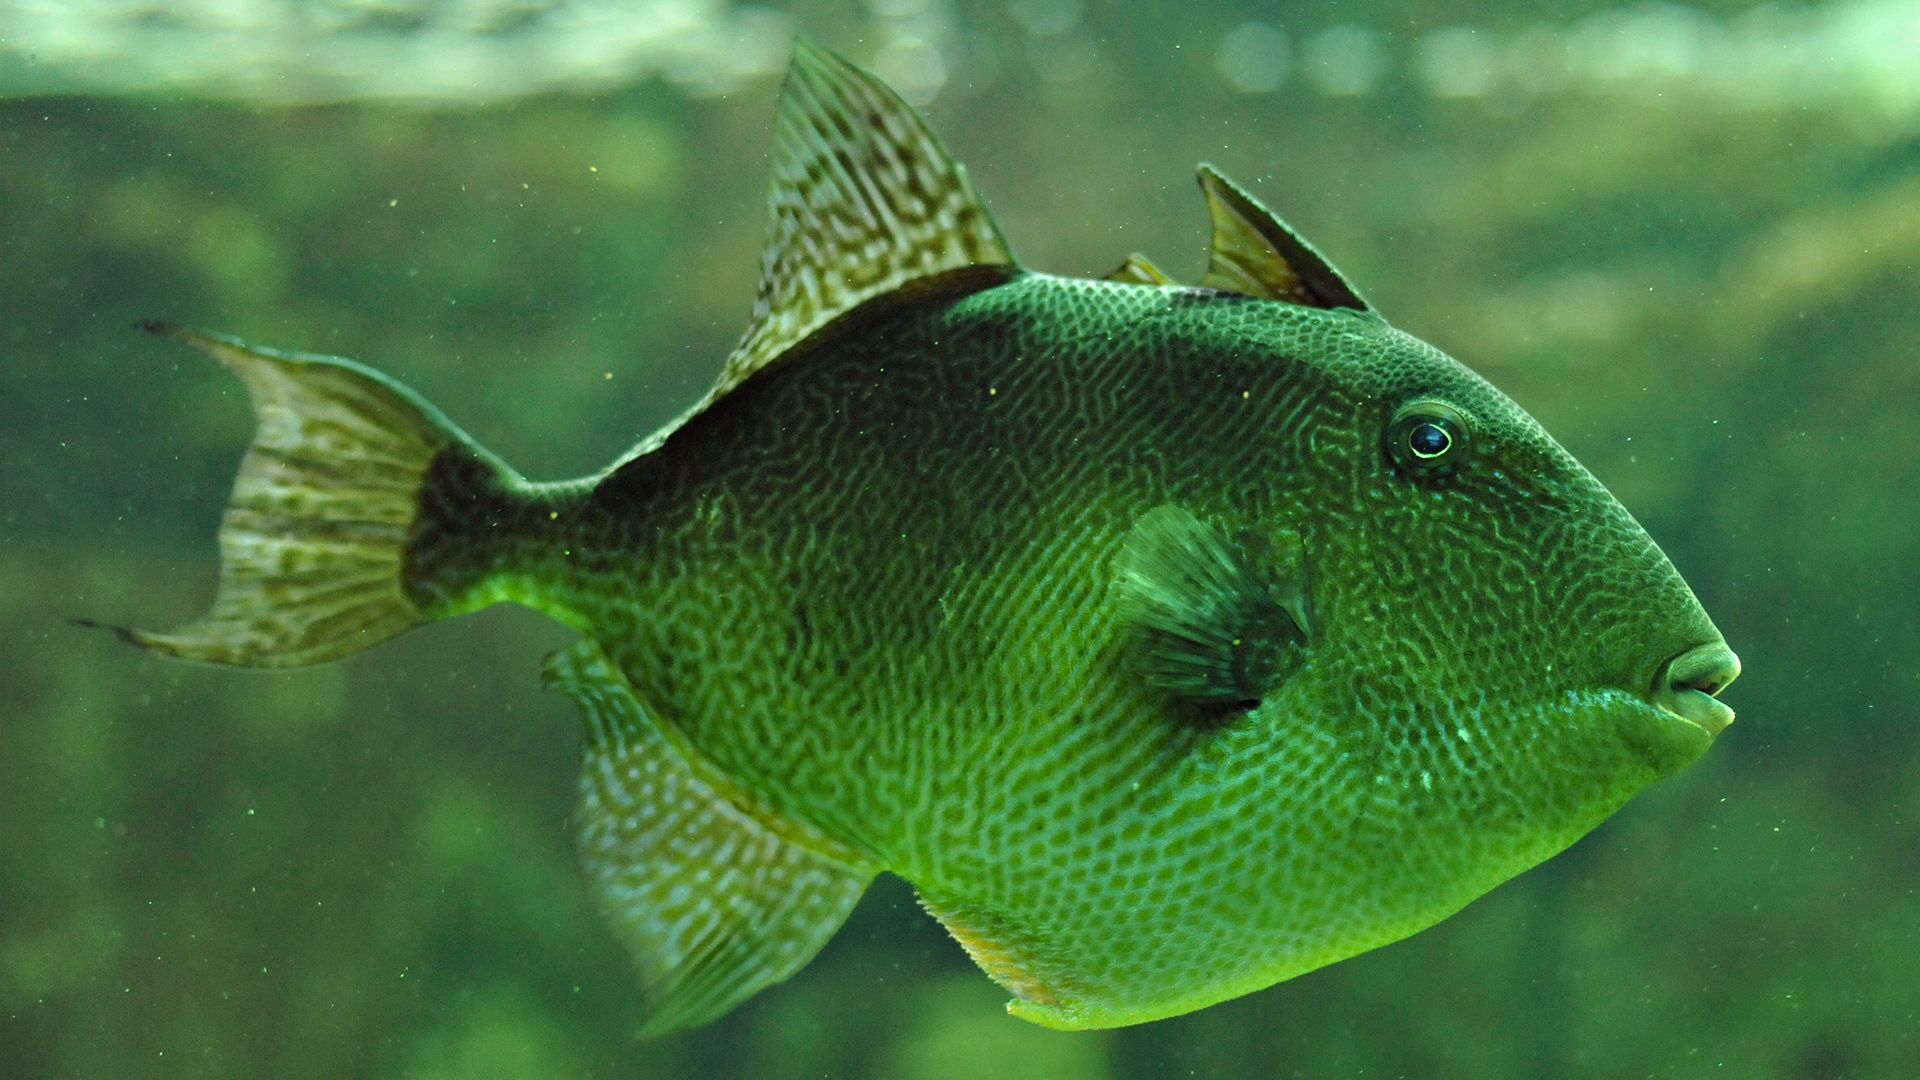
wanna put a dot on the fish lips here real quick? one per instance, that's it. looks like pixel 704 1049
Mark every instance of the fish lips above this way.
pixel 1674 718
pixel 1689 682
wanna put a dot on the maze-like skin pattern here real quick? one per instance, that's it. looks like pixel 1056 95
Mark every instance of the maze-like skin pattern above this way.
pixel 873 587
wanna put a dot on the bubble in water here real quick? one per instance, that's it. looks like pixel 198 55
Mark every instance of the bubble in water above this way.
pixel 1536 59
pixel 898 9
pixel 1047 17
pixel 1062 59
pixel 1254 57
pixel 1345 59
pixel 1456 61
pixel 912 67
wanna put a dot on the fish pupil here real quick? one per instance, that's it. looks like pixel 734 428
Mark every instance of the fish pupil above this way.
pixel 1428 441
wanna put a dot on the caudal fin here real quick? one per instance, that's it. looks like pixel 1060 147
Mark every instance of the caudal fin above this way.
pixel 313 543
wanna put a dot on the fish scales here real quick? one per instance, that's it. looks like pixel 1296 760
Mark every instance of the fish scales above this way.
pixel 1171 641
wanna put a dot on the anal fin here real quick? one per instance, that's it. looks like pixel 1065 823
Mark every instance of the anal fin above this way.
pixel 715 895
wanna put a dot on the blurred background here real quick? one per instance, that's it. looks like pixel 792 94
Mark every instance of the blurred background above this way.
pixel 1687 238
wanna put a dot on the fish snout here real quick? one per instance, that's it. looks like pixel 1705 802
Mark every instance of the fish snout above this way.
pixel 1688 683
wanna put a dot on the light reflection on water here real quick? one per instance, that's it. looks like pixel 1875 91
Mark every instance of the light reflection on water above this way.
pixel 1853 53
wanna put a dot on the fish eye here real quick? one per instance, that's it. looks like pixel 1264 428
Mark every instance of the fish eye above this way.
pixel 1428 438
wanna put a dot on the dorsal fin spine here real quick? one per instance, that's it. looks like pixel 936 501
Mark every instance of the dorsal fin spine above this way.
pixel 1256 253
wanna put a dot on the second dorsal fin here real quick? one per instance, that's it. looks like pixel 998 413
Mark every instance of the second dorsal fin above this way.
pixel 1256 254
pixel 864 201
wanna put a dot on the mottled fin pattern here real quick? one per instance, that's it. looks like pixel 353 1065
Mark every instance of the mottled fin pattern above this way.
pixel 1206 627
pixel 1137 270
pixel 864 202
pixel 715 895
pixel 313 541
pixel 1256 254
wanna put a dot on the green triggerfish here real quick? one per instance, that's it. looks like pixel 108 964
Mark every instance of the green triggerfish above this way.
pixel 1170 640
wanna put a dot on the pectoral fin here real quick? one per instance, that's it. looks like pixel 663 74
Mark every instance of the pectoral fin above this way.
pixel 715 894
pixel 1205 626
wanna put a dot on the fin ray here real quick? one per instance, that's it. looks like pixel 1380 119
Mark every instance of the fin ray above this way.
pixel 1255 253
pixel 863 201
pixel 313 541
pixel 990 944
pixel 715 895
pixel 1206 628
pixel 864 206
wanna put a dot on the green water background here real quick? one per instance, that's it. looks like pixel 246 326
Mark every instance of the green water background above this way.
pixel 364 869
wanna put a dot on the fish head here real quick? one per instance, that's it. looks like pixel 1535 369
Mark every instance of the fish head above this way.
pixel 1403 647
pixel 1503 559
pixel 1482 656
pixel 1510 656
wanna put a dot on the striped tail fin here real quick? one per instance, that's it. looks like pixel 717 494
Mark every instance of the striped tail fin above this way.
pixel 313 545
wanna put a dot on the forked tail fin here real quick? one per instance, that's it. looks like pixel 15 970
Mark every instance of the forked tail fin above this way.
pixel 313 545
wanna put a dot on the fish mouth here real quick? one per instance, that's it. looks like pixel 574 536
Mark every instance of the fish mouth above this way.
pixel 1689 682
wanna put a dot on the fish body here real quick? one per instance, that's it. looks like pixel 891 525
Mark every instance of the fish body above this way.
pixel 1171 641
